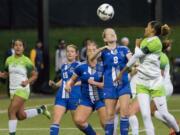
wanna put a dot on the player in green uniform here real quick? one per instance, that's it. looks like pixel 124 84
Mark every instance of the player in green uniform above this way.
pixel 149 79
pixel 21 74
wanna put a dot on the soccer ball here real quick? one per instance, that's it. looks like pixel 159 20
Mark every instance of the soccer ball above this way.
pixel 105 12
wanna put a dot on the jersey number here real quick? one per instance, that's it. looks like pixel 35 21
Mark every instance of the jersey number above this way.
pixel 115 59
pixel 65 75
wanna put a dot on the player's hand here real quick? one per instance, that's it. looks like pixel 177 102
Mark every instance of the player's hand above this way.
pixel 119 76
pixel 52 83
pixel 91 81
pixel 138 42
pixel 67 87
pixel 25 83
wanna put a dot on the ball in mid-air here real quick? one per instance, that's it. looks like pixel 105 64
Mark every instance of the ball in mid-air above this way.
pixel 105 12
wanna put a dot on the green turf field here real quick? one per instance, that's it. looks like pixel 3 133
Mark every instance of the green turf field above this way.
pixel 40 124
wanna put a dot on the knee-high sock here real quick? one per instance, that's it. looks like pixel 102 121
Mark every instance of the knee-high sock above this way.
pixel 133 121
pixel 116 120
pixel 109 127
pixel 88 130
pixel 31 113
pixel 12 127
pixel 144 102
pixel 161 105
pixel 54 129
pixel 124 125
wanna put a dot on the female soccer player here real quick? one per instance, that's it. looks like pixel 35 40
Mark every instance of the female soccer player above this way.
pixel 90 74
pixel 21 74
pixel 114 58
pixel 66 101
pixel 149 78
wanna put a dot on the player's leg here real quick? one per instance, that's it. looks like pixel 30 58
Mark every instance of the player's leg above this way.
pixel 124 113
pixel 161 105
pixel 110 111
pixel 14 107
pixel 58 113
pixel 144 103
pixel 133 121
pixel 116 118
pixel 82 114
pixel 101 110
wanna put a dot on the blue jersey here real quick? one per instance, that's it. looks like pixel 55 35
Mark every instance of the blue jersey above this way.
pixel 113 61
pixel 85 72
pixel 67 71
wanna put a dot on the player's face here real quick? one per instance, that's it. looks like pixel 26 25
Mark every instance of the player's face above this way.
pixel 148 30
pixel 71 53
pixel 110 36
pixel 18 47
pixel 91 49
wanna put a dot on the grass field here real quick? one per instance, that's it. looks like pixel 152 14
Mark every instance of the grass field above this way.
pixel 40 125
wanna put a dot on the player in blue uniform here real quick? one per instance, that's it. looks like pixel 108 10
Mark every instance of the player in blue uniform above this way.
pixel 114 58
pixel 91 75
pixel 65 101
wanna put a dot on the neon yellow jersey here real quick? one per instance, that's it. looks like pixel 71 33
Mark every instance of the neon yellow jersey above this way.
pixel 18 69
pixel 150 64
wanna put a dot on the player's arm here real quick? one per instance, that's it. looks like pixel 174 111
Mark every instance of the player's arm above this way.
pixel 97 84
pixel 71 82
pixel 31 79
pixel 4 75
pixel 55 84
pixel 95 55
pixel 77 83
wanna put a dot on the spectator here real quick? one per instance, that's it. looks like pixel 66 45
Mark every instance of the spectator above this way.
pixel 60 58
pixel 36 56
pixel 10 51
pixel 83 50
pixel 125 41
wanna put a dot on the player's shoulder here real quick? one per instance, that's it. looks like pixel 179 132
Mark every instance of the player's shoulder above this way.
pixel 82 64
pixel 122 47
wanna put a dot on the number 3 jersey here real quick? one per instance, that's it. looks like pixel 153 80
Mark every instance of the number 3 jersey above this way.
pixel 67 70
pixel 113 61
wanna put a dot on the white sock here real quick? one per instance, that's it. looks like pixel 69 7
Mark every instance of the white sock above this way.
pixel 116 120
pixel 133 121
pixel 144 103
pixel 31 113
pixel 161 105
pixel 12 126
pixel 159 116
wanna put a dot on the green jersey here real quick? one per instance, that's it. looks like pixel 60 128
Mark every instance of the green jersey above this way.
pixel 149 64
pixel 18 69
pixel 165 66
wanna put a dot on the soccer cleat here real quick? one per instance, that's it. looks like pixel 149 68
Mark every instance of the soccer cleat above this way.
pixel 45 111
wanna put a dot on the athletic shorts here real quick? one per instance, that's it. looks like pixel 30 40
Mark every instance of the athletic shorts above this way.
pixel 94 105
pixel 20 92
pixel 154 87
pixel 68 103
pixel 116 92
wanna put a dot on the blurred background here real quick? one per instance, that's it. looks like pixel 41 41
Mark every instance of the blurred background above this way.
pixel 47 26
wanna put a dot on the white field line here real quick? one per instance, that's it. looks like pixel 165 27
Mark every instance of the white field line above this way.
pixel 47 129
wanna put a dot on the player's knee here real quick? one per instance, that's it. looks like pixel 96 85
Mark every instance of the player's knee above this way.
pixel 79 121
pixel 21 116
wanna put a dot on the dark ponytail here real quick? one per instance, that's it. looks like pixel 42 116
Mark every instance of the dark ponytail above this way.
pixel 160 30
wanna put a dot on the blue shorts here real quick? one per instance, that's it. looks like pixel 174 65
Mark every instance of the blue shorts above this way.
pixel 68 103
pixel 116 92
pixel 94 105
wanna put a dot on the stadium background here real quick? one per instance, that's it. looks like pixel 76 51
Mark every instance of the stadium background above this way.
pixel 75 20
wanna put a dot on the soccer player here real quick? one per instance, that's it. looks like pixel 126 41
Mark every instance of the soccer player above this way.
pixel 66 101
pixel 149 78
pixel 21 74
pixel 114 58
pixel 91 74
